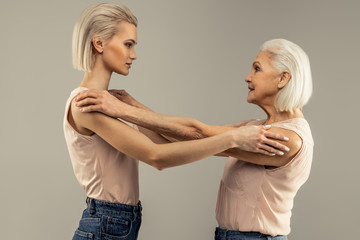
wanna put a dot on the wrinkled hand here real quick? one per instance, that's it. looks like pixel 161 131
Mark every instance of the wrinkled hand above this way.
pixel 123 96
pixel 100 101
pixel 258 139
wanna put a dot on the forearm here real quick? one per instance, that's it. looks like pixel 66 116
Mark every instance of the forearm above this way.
pixel 180 153
pixel 183 128
pixel 255 138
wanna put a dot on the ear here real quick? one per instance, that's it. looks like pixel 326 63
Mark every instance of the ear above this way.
pixel 98 43
pixel 284 79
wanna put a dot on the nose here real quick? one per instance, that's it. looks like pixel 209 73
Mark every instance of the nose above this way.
pixel 133 55
pixel 248 78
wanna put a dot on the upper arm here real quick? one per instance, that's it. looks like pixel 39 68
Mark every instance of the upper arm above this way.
pixel 294 143
pixel 121 136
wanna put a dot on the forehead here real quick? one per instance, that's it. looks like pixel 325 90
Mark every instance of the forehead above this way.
pixel 263 57
pixel 127 31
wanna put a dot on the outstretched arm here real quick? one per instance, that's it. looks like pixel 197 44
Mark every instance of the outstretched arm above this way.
pixel 256 138
pixel 135 144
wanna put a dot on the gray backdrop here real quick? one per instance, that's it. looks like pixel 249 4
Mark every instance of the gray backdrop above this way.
pixel 193 57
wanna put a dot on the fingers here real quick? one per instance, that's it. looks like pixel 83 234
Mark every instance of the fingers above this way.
pixel 86 102
pixel 271 151
pixel 276 145
pixel 266 152
pixel 91 108
pixel 276 136
pixel 120 92
pixel 88 94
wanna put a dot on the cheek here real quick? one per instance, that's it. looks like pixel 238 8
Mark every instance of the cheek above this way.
pixel 114 57
pixel 114 53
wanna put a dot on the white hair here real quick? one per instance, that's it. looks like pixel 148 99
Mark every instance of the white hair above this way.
pixel 286 55
pixel 101 19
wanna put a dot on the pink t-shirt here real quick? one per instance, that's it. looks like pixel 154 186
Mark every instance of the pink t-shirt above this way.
pixel 253 198
pixel 104 172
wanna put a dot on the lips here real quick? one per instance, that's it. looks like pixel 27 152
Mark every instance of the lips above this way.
pixel 251 88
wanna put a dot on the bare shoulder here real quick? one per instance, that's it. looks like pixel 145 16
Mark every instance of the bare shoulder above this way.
pixel 78 119
pixel 294 142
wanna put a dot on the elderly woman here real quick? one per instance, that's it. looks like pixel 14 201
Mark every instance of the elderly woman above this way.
pixel 257 191
pixel 105 151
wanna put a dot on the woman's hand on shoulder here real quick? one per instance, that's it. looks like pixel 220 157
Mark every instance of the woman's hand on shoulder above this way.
pixel 294 143
pixel 260 139
pixel 99 101
pixel 267 147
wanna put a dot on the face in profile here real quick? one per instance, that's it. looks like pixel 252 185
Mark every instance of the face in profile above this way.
pixel 263 80
pixel 119 51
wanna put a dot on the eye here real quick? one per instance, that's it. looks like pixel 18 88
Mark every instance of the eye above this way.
pixel 128 44
pixel 256 68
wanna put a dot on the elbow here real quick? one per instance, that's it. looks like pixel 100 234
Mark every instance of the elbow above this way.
pixel 158 164
pixel 156 161
pixel 160 168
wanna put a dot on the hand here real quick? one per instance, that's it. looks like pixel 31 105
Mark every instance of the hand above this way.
pixel 258 139
pixel 100 101
pixel 125 97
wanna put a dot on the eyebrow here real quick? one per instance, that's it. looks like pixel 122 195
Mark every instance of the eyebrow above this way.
pixel 256 62
pixel 132 40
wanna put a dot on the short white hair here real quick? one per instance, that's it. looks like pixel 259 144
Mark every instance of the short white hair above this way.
pixel 101 19
pixel 286 55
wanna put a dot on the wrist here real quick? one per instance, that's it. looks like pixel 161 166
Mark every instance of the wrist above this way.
pixel 122 110
pixel 233 143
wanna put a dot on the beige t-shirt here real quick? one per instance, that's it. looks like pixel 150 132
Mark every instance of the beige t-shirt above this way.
pixel 104 172
pixel 253 198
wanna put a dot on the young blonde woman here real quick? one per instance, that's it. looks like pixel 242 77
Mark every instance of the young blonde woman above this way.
pixel 257 191
pixel 105 151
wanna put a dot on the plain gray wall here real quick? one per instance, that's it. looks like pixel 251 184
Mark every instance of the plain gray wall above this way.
pixel 193 57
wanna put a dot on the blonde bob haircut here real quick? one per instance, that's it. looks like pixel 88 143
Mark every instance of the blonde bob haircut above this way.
pixel 101 19
pixel 287 56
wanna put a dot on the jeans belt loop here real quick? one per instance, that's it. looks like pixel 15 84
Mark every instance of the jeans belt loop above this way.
pixel 91 206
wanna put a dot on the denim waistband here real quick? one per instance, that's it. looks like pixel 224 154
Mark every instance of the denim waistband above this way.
pixel 110 208
pixel 227 233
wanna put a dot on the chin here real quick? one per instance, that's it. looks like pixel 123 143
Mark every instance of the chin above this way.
pixel 124 73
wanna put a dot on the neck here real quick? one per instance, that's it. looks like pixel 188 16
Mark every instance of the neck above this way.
pixel 98 78
pixel 275 116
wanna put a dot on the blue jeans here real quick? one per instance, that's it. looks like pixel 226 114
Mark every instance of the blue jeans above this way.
pixel 109 221
pixel 223 234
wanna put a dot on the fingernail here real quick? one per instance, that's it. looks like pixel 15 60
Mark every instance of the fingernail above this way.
pixel 286 138
pixel 287 149
pixel 267 126
pixel 273 154
pixel 281 153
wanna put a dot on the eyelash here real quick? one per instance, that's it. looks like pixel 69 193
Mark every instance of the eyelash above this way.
pixel 129 45
pixel 256 69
